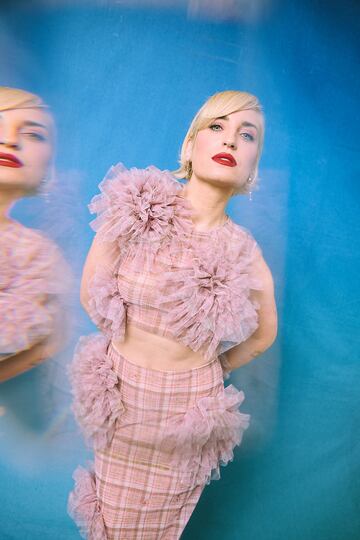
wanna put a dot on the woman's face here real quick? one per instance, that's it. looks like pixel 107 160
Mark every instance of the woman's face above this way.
pixel 225 153
pixel 26 148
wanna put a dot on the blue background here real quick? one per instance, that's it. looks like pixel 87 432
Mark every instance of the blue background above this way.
pixel 124 84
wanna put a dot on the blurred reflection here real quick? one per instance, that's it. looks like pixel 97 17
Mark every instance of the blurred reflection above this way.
pixel 34 276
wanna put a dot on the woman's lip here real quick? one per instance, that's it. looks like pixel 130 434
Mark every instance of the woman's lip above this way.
pixel 225 159
pixel 9 160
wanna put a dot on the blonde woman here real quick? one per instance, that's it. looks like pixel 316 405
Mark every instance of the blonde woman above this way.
pixel 182 296
pixel 33 274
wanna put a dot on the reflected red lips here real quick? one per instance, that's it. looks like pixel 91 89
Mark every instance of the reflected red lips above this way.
pixel 225 159
pixel 8 160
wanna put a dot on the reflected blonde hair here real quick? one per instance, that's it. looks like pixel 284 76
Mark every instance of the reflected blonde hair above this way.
pixel 15 98
pixel 218 105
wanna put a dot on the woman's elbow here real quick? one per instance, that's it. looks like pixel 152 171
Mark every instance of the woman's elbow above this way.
pixel 266 337
pixel 84 299
pixel 271 338
pixel 271 335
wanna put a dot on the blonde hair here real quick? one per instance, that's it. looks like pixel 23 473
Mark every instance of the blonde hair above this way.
pixel 218 105
pixel 15 98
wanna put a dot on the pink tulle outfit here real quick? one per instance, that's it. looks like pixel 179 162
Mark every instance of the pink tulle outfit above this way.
pixel 34 277
pixel 159 436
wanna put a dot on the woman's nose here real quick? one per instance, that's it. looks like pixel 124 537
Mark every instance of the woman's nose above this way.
pixel 230 144
pixel 9 137
pixel 9 143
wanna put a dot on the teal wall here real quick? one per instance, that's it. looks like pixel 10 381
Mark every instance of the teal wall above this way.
pixel 124 84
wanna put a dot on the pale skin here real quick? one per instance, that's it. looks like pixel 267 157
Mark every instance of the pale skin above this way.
pixel 26 134
pixel 208 190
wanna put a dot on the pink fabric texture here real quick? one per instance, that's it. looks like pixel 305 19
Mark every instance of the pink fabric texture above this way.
pixel 204 437
pixel 169 278
pixel 174 431
pixel 142 207
pixel 208 301
pixel 97 401
pixel 106 306
pixel 33 278
pixel 84 507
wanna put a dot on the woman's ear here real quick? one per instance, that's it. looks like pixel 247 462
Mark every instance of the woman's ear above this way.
pixel 188 150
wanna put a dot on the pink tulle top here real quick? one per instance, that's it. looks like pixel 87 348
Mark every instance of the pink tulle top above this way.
pixel 165 276
pixel 33 278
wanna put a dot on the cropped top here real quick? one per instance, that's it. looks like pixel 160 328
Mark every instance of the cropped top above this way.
pixel 165 276
pixel 34 280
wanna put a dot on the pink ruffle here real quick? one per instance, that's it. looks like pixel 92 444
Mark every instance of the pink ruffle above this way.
pixel 23 322
pixel 97 399
pixel 33 276
pixel 210 299
pixel 83 505
pixel 106 307
pixel 34 263
pixel 205 437
pixel 142 206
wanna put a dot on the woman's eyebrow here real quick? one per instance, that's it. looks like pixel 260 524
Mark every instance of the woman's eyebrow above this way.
pixel 244 123
pixel 31 123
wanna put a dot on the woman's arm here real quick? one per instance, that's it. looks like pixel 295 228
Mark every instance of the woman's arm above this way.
pixel 100 255
pixel 266 332
pixel 20 362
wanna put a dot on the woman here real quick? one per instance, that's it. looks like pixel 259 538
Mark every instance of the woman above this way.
pixel 180 292
pixel 33 273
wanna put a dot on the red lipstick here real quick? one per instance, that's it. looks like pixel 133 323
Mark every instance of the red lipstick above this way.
pixel 8 160
pixel 225 159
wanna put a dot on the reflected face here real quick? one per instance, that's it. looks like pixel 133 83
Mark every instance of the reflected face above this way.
pixel 225 152
pixel 26 148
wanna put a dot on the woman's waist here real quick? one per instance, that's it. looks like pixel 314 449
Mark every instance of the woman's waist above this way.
pixel 158 351
pixel 180 386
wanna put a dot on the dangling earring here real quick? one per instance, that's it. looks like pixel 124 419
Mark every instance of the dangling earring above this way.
pixel 250 181
pixel 43 190
pixel 46 183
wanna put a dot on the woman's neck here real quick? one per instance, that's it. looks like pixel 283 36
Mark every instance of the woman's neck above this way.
pixel 208 203
pixel 7 199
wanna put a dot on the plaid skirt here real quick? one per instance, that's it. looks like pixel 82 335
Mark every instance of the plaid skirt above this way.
pixel 159 437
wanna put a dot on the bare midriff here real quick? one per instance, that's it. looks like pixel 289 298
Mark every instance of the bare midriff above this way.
pixel 157 352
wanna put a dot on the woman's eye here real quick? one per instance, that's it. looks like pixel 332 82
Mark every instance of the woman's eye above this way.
pixel 34 135
pixel 215 127
pixel 248 136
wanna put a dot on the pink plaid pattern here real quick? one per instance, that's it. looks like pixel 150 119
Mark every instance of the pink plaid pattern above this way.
pixel 142 496
pixel 145 487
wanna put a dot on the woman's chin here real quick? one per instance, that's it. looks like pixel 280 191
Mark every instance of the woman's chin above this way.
pixel 18 188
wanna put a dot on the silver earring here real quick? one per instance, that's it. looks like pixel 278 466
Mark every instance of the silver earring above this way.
pixel 46 184
pixel 250 181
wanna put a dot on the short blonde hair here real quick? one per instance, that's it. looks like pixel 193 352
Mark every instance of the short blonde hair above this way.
pixel 218 105
pixel 15 98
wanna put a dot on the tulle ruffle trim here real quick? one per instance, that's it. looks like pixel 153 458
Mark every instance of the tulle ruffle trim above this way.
pixel 24 322
pixel 208 298
pixel 34 265
pixel 204 438
pixel 34 278
pixel 83 505
pixel 140 205
pixel 106 307
pixel 97 400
